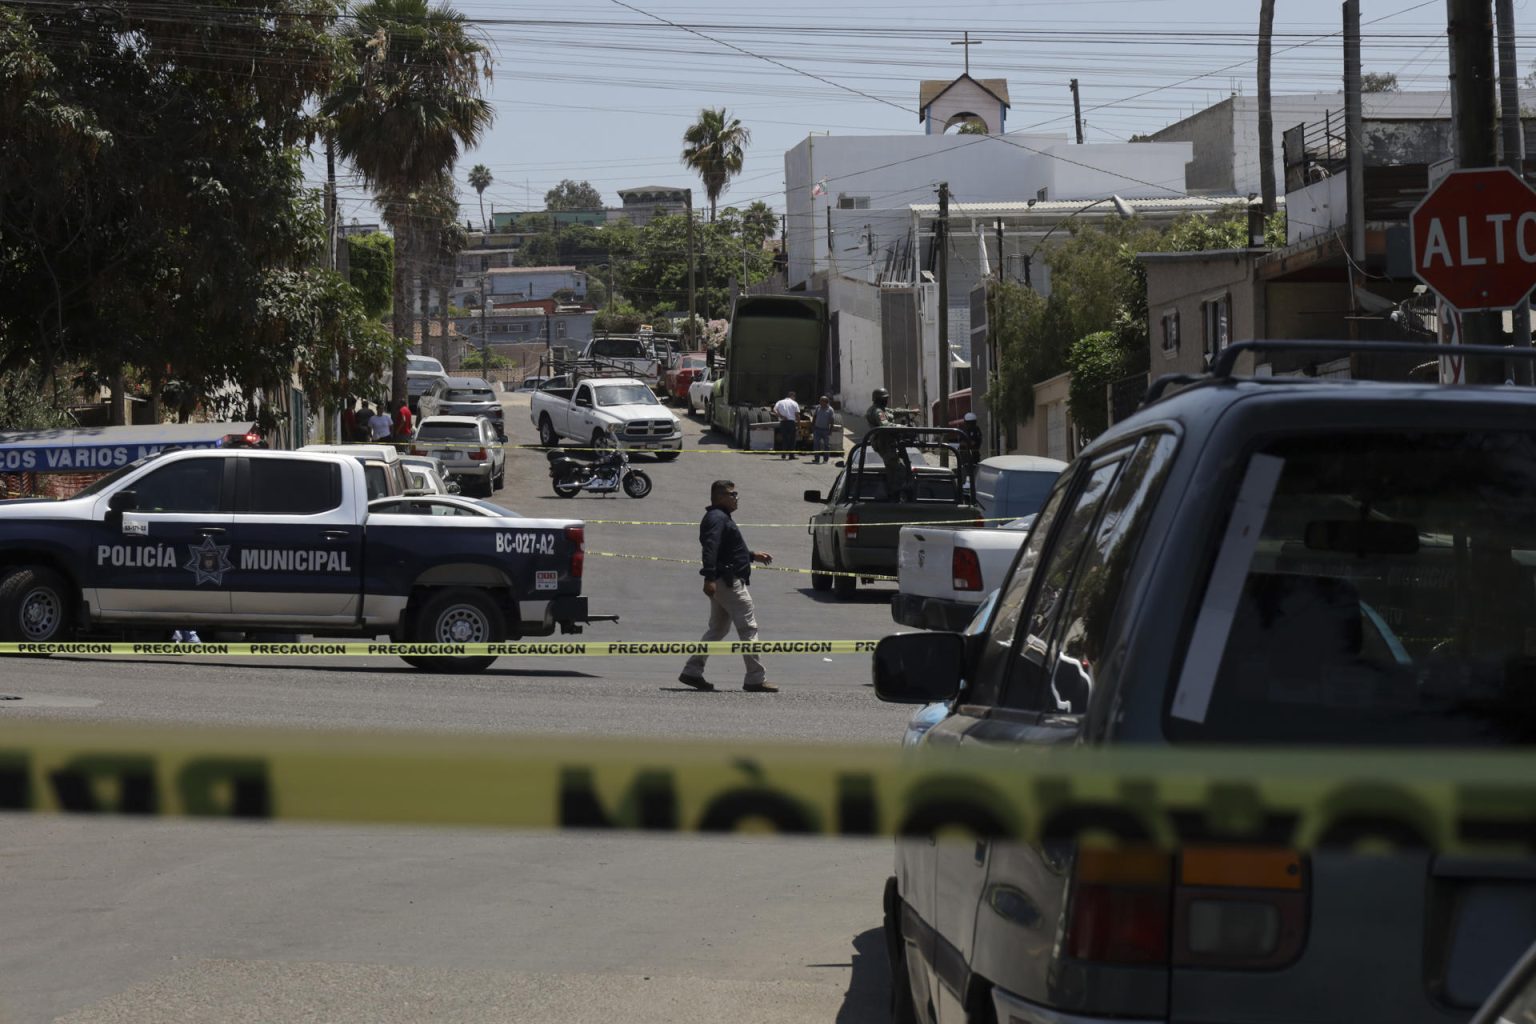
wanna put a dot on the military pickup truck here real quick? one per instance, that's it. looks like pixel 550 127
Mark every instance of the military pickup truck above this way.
pixel 280 542
pixel 894 476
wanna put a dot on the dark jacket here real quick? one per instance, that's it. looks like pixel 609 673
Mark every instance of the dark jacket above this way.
pixel 725 553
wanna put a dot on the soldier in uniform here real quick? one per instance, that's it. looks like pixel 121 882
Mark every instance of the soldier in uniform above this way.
pixel 879 414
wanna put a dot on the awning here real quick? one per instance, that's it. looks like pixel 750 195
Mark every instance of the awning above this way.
pixel 99 449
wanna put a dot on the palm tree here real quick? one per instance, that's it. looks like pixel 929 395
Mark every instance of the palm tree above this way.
pixel 411 101
pixel 714 150
pixel 480 179
pixel 758 223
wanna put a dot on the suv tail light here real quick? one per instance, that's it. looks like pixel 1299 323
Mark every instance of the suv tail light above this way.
pixel 966 569
pixel 577 536
pixel 478 456
pixel 851 526
pixel 1239 906
pixel 1121 906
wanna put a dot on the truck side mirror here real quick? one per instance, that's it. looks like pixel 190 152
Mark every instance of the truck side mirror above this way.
pixel 123 501
pixel 918 668
pixel 813 496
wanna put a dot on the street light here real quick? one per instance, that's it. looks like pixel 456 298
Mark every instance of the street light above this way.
pixel 1124 209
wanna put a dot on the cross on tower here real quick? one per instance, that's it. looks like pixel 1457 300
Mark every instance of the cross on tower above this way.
pixel 967 43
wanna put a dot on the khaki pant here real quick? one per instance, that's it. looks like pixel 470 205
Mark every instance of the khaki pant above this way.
pixel 731 603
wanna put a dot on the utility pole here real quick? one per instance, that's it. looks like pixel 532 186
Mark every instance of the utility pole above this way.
pixel 1354 143
pixel 485 327
pixel 332 415
pixel 1514 156
pixel 1077 112
pixel 689 193
pixel 942 240
pixel 1473 119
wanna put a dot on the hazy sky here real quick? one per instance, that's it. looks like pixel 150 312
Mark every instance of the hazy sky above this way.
pixel 602 90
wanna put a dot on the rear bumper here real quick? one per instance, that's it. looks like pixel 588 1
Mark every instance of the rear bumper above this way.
pixel 1015 1010
pixel 932 612
pixel 541 618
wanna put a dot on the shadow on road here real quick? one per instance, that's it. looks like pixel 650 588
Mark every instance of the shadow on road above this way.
pixel 210 660
pixel 868 998
pixel 863 595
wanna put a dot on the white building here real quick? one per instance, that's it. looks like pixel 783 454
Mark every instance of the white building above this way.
pixel 513 284
pixel 847 197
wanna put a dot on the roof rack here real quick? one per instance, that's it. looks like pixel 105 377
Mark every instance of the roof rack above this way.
pixel 1222 368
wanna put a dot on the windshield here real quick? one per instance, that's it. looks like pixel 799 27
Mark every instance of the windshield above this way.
pixel 448 432
pixel 626 394
pixel 1390 597
pixel 618 348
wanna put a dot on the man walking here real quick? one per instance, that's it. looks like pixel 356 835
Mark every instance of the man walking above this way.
pixel 822 419
pixel 726 570
pixel 788 412
pixel 380 424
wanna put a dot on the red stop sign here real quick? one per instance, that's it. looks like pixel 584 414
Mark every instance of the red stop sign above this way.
pixel 1474 239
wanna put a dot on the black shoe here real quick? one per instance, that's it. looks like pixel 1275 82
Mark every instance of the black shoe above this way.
pixel 697 682
pixel 759 688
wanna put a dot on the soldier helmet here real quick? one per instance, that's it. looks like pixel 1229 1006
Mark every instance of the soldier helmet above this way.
pixel 881 393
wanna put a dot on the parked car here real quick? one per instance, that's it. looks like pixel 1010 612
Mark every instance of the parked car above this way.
pixel 1247 563
pixel 532 383
pixel 690 366
pixel 464 396
pixel 943 573
pixel 452 505
pixel 699 392
pixel 1010 486
pixel 382 467
pixel 430 464
pixel 468 448
pixel 894 475
pixel 606 410
pixel 421 372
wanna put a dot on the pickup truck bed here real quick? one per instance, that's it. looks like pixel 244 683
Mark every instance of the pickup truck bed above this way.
pixel 944 575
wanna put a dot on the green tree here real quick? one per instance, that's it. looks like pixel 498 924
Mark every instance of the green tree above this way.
pixel 1379 81
pixel 758 224
pixel 714 148
pixel 1096 361
pixel 573 195
pixel 480 179
pixel 972 128
pixel 372 261
pixel 621 319
pixel 150 201
pixel 402 116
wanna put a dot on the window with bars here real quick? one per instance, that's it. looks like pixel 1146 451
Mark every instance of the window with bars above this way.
pixel 1215 326
pixel 1170 331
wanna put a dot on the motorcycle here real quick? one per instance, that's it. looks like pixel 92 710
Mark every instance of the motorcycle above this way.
pixel 607 472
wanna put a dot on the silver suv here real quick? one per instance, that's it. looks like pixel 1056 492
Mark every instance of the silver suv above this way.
pixel 1270 562
pixel 464 396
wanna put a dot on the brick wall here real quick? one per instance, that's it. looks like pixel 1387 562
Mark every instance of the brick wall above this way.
pixel 45 485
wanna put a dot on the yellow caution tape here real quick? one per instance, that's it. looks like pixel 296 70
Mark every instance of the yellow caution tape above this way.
pixel 509 649
pixel 1368 801
pixel 961 525
pixel 756 568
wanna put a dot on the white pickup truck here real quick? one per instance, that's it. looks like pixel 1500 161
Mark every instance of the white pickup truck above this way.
pixel 944 575
pixel 600 411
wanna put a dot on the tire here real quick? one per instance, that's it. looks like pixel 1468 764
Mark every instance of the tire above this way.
pixel 845 585
pixel 547 436
pixel 709 418
pixel 600 440
pixel 666 456
pixel 903 1009
pixel 36 606
pixel 457 615
pixel 499 481
pixel 820 579
pixel 637 484
pixel 743 438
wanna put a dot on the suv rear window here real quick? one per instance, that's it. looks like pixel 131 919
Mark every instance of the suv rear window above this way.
pixel 448 432
pixel 618 348
pixel 1389 598
pixel 469 395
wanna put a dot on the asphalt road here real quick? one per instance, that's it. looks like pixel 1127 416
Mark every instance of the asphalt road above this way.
pixel 142 921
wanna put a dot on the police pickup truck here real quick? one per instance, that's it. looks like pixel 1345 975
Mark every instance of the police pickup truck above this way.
pixel 280 541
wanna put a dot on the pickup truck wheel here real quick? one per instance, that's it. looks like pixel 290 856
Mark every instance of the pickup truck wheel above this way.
pixel 845 585
pixel 547 436
pixel 600 440
pixel 457 616
pixel 35 606
pixel 820 578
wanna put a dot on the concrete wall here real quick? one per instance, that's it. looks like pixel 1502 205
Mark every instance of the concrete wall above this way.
pixel 1319 209
pixel 861 363
pixel 1307 310
pixel 1049 431
pixel 1185 284
pixel 1210 134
